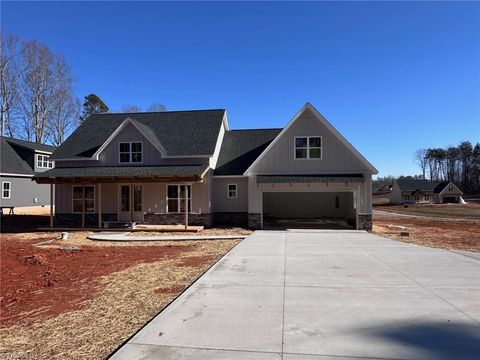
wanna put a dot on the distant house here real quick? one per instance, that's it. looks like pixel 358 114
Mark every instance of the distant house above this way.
pixel 20 161
pixel 189 167
pixel 424 191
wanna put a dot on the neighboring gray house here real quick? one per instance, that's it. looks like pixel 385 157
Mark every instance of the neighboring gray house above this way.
pixel 20 160
pixel 424 191
pixel 147 166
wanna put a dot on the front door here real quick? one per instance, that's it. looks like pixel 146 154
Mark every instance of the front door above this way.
pixel 130 202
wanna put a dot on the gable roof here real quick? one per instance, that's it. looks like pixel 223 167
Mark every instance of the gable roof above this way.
pixel 30 145
pixel 10 160
pixel 240 148
pixel 334 131
pixel 180 133
pixel 426 186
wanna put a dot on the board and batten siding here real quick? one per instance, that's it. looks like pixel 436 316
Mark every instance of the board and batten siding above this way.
pixel 221 201
pixel 154 197
pixel 63 196
pixel 336 157
pixel 110 155
pixel 24 192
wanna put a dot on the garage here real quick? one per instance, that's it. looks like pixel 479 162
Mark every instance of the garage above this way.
pixel 309 209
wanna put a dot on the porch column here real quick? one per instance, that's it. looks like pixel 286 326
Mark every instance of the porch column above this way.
pixel 51 205
pixel 186 206
pixel 83 206
pixel 99 207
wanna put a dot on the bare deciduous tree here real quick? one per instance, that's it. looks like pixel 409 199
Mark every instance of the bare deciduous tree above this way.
pixel 157 107
pixel 10 72
pixel 420 158
pixel 45 94
pixel 129 108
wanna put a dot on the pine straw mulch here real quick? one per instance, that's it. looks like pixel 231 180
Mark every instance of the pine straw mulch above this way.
pixel 123 302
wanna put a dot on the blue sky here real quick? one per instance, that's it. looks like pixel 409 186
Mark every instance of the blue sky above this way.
pixel 391 77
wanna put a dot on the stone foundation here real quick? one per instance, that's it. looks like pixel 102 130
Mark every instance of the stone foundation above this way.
pixel 75 220
pixel 365 222
pixel 178 219
pixel 239 219
pixel 255 221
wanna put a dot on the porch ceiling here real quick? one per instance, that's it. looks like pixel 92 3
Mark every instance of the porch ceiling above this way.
pixel 122 173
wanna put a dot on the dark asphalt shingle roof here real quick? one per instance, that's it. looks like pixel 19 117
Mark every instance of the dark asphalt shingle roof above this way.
pixel 240 148
pixel 10 160
pixel 426 186
pixel 180 133
pixel 309 178
pixel 124 171
pixel 30 145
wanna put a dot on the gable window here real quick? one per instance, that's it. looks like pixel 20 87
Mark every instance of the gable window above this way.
pixel 6 189
pixel 308 147
pixel 130 152
pixel 43 161
pixel 232 191
pixel 83 198
pixel 176 195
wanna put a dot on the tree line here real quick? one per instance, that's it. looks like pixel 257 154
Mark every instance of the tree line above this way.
pixel 37 98
pixel 460 164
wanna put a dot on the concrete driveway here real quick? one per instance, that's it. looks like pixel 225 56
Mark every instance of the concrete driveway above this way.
pixel 318 295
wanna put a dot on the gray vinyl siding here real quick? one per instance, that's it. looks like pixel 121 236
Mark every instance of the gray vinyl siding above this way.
pixel 110 155
pixel 35 163
pixel 63 196
pixel 336 157
pixel 154 197
pixel 24 191
pixel 221 201
pixel 396 194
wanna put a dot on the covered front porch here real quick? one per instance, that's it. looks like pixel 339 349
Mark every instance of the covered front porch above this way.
pixel 96 201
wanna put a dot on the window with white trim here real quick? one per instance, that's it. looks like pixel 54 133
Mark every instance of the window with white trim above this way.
pixel 176 195
pixel 308 147
pixel 130 152
pixel 6 189
pixel 83 198
pixel 232 191
pixel 44 162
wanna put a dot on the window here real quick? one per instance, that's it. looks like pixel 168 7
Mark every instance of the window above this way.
pixel 130 152
pixel 176 195
pixel 232 191
pixel 337 202
pixel 308 147
pixel 43 161
pixel 83 198
pixel 6 189
pixel 407 197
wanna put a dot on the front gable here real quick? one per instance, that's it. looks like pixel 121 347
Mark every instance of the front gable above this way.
pixel 451 189
pixel 338 156
pixel 108 155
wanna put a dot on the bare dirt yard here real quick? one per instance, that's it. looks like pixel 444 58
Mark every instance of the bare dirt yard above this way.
pixel 79 299
pixel 454 227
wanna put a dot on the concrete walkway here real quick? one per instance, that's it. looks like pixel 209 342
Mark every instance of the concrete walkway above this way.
pixel 322 295
pixel 125 236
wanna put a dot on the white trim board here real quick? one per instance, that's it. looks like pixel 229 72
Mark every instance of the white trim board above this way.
pixel 329 126
pixel 16 175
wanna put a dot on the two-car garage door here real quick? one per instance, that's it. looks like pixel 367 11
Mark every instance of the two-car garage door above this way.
pixel 305 209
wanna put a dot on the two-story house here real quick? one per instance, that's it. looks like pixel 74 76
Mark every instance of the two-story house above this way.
pixel 169 167
pixel 20 160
